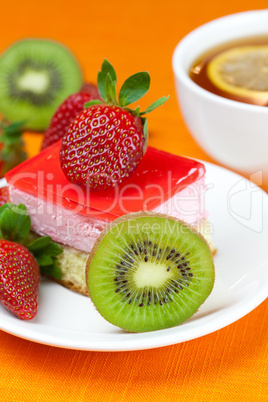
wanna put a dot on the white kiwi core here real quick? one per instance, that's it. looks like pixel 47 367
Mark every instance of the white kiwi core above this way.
pixel 152 275
pixel 34 81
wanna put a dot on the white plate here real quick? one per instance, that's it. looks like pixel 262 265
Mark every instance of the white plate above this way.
pixel 238 211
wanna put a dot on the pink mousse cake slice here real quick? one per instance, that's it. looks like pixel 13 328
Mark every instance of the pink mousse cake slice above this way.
pixel 163 183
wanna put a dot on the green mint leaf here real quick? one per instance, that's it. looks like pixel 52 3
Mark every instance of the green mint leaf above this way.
pixel 154 105
pixel 44 260
pixel 8 205
pixel 12 152
pixel 11 158
pixel 44 247
pixel 11 139
pixel 52 270
pixel 92 102
pixel 5 225
pixel 15 224
pixel 13 128
pixel 39 244
pixel 45 252
pixel 53 249
pixel 134 88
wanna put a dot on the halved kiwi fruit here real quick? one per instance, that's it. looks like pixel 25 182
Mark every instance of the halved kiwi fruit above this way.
pixel 36 75
pixel 149 271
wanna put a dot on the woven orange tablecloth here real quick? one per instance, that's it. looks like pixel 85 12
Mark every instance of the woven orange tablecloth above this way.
pixel 230 364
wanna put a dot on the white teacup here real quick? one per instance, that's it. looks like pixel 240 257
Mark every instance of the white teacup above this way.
pixel 233 133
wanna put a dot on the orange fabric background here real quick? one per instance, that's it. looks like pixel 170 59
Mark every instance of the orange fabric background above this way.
pixel 230 364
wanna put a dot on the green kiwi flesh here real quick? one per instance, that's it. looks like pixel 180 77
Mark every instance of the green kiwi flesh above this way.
pixel 149 272
pixel 36 75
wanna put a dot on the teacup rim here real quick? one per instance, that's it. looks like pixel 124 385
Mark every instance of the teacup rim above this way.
pixel 183 75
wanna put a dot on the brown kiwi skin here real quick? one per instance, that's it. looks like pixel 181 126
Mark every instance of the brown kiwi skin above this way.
pixel 128 217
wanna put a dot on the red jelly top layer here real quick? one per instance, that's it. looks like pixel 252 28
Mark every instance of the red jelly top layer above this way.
pixel 159 176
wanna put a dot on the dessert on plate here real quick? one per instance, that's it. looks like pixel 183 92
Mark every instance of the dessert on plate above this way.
pixel 74 217
pixel 101 170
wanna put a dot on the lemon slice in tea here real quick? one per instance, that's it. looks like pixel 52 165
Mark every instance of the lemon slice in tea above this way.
pixel 241 71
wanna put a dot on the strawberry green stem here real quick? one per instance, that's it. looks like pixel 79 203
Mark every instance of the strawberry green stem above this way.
pixel 134 88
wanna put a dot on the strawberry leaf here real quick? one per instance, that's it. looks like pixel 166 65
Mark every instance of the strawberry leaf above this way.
pixel 145 133
pixel 101 79
pixel 106 69
pixel 134 88
pixel 110 90
pixel 154 105
pixel 92 102
pixel 136 112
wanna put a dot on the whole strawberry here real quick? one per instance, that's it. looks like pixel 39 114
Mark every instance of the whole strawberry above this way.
pixel 20 264
pixel 19 279
pixel 107 140
pixel 66 113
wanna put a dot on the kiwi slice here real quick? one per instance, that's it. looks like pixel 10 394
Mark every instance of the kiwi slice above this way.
pixel 36 75
pixel 149 271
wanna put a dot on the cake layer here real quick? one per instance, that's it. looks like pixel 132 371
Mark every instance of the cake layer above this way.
pixel 72 262
pixel 158 178
pixel 162 183
pixel 81 231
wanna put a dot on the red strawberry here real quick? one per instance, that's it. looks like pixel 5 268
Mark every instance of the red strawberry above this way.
pixel 66 113
pixel 106 141
pixel 4 195
pixel 91 89
pixel 19 280
pixel 19 266
pixel 110 155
